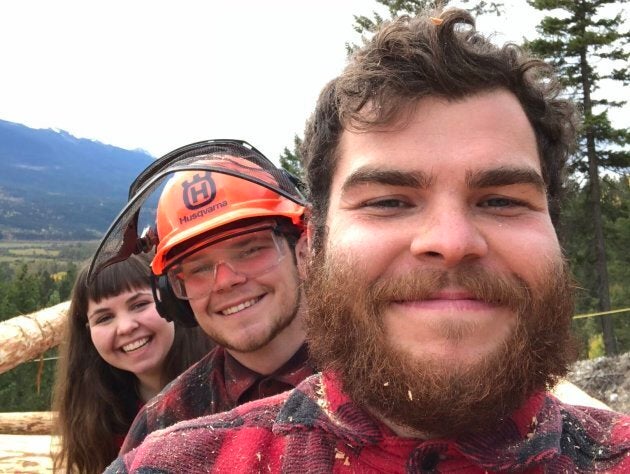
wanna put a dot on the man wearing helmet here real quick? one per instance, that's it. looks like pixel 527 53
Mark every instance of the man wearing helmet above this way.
pixel 226 260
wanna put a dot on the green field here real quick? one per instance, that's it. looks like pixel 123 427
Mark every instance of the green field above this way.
pixel 46 254
pixel 33 252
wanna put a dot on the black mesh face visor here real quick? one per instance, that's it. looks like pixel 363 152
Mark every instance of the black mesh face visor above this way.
pixel 122 238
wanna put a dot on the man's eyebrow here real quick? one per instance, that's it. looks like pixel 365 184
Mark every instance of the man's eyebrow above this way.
pixel 504 177
pixel 367 175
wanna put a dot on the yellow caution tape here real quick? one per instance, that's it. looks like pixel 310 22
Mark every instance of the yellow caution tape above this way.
pixel 601 313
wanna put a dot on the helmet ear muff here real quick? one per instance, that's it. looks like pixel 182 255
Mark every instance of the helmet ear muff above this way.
pixel 169 306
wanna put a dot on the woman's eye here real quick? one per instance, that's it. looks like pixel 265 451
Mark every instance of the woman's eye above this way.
pixel 139 305
pixel 103 319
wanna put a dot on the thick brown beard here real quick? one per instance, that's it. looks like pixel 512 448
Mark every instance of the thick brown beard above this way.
pixel 346 335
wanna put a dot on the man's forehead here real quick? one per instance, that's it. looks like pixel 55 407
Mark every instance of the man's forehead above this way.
pixel 472 136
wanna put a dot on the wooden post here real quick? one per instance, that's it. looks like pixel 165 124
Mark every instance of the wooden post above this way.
pixel 23 338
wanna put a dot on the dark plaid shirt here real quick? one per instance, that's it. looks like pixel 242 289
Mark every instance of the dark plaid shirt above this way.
pixel 316 428
pixel 216 383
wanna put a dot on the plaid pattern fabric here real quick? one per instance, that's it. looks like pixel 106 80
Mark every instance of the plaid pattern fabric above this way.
pixel 215 384
pixel 316 428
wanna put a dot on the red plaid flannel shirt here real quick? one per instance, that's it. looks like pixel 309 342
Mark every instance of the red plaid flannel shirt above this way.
pixel 317 428
pixel 215 384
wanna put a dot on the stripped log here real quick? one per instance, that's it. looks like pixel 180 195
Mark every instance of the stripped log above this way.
pixel 28 423
pixel 25 454
pixel 574 395
pixel 23 338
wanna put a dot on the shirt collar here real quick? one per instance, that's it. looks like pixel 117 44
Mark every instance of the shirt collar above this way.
pixel 239 379
pixel 529 436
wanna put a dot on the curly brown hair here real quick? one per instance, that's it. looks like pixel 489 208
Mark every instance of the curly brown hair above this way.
pixel 433 54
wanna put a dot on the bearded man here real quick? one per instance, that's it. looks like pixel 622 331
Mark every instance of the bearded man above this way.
pixel 439 300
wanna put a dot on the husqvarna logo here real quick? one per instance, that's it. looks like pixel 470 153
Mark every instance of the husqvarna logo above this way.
pixel 199 192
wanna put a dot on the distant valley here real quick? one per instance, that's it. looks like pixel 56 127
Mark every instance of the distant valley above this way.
pixel 54 186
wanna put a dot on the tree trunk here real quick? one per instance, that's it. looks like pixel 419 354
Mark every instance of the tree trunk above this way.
pixel 601 265
pixel 23 338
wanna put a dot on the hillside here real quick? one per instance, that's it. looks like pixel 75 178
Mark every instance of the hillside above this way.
pixel 605 378
pixel 54 186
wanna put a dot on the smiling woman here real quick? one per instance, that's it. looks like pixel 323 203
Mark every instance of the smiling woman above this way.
pixel 129 334
pixel 117 353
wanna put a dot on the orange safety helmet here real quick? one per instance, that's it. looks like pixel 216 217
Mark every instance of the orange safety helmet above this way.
pixel 197 202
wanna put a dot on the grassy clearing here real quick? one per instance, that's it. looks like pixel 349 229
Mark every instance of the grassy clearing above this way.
pixel 33 252
pixel 14 251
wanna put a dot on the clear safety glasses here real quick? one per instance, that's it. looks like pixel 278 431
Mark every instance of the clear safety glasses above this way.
pixel 251 254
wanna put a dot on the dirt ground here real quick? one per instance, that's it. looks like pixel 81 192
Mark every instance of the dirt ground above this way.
pixel 605 378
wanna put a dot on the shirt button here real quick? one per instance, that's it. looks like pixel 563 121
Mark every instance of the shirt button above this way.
pixel 265 388
pixel 429 461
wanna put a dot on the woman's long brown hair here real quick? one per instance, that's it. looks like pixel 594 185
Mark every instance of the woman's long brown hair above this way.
pixel 95 402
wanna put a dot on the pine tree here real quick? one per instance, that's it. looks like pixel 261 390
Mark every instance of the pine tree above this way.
pixel 67 282
pixel 364 25
pixel 291 160
pixel 589 46
pixel 24 291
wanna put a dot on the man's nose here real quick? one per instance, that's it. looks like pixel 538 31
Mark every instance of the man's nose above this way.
pixel 226 277
pixel 449 234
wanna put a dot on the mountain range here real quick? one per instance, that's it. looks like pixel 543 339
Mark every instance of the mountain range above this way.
pixel 54 186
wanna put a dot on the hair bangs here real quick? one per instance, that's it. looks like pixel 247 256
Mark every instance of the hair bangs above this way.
pixel 128 275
